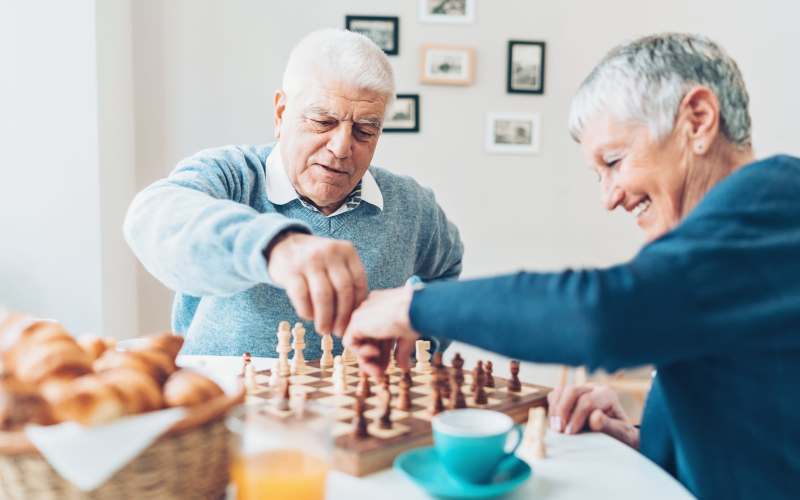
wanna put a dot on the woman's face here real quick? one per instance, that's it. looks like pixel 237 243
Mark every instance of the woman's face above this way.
pixel 645 177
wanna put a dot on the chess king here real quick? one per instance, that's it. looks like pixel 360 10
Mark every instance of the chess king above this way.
pixel 299 229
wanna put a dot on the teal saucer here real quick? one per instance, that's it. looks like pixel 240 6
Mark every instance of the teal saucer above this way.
pixel 423 468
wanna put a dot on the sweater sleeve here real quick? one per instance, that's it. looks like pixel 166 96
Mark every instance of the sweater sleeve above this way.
pixel 716 285
pixel 441 250
pixel 194 230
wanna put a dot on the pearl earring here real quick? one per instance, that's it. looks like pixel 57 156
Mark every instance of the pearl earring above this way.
pixel 698 147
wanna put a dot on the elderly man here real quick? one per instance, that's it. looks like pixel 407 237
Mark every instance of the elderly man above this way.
pixel 713 299
pixel 247 235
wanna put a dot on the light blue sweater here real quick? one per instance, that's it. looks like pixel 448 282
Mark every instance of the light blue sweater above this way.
pixel 202 230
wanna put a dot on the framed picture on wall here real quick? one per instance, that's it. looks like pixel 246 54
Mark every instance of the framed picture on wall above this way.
pixel 525 67
pixel 404 115
pixel 512 133
pixel 447 65
pixel 447 11
pixel 384 31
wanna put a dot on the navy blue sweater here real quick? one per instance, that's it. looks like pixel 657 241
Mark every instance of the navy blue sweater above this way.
pixel 714 304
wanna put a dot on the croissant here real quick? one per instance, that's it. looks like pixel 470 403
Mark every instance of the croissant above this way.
pixel 164 342
pixel 20 404
pixel 37 361
pixel 189 388
pixel 140 393
pixel 89 401
pixel 95 346
pixel 156 364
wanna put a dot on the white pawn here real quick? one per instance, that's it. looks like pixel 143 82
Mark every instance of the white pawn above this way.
pixel 339 383
pixel 392 367
pixel 284 334
pixel 298 361
pixel 423 356
pixel 327 351
pixel 347 356
pixel 533 439
pixel 250 383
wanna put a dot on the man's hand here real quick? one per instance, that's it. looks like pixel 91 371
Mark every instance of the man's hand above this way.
pixel 324 278
pixel 383 317
pixel 594 407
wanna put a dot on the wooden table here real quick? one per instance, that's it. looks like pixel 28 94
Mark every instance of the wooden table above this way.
pixel 586 466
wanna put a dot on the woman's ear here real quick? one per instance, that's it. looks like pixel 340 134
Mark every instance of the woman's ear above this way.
pixel 699 114
pixel 280 108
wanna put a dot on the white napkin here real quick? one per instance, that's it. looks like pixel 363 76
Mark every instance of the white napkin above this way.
pixel 88 456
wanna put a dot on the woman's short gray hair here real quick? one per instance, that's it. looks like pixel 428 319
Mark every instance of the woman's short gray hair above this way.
pixel 339 55
pixel 645 80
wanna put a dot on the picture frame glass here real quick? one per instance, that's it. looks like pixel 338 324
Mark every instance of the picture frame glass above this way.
pixel 382 32
pixel 403 114
pixel 441 64
pixel 526 67
pixel 447 11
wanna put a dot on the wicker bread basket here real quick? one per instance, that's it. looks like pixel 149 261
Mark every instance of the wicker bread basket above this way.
pixel 190 461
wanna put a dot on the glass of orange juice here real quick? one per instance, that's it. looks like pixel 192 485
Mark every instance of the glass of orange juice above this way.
pixel 280 454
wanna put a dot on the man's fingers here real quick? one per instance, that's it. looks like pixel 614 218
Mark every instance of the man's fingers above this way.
pixel 297 290
pixel 566 404
pixel 618 429
pixel 344 291
pixel 322 300
pixel 402 353
pixel 359 275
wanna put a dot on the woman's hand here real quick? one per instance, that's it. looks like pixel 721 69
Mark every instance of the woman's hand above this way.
pixel 591 407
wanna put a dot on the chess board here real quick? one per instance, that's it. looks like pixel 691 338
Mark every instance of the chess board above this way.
pixel 410 429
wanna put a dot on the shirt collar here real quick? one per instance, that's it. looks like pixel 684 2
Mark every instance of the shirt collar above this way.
pixel 280 190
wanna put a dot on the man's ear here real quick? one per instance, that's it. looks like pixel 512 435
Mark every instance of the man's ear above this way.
pixel 699 112
pixel 280 108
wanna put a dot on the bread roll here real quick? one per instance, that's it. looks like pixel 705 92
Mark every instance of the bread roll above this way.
pixel 189 388
pixel 165 342
pixel 89 401
pixel 140 393
pixel 20 404
pixel 156 364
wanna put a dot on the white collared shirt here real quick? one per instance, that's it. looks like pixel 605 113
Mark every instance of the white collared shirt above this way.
pixel 280 190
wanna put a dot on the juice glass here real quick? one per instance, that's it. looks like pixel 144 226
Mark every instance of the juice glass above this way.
pixel 280 454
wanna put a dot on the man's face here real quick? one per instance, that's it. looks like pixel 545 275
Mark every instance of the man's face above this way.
pixel 645 177
pixel 328 133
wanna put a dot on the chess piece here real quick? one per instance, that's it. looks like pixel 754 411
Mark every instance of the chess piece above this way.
pixel 437 360
pixel 284 333
pixel 286 396
pixel 386 417
pixel 514 385
pixel 298 361
pixel 392 367
pixel 363 389
pixel 384 381
pixel 423 356
pixel 404 396
pixel 407 377
pixel 348 357
pixel 533 437
pixel 359 420
pixel 479 395
pixel 489 375
pixel 339 382
pixel 456 396
pixel 326 361
pixel 444 381
pixel 246 360
pixel 436 405
pixel 458 368
pixel 250 383
pixel 476 372
pixel 275 377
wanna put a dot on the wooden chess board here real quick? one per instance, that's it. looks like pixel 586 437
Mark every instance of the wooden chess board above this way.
pixel 410 429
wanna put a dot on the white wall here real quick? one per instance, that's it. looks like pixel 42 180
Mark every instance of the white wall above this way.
pixel 61 251
pixel 205 72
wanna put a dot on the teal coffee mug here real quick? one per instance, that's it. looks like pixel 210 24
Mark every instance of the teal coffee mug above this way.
pixel 471 443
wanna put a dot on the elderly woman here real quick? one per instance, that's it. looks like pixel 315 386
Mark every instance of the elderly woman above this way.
pixel 713 298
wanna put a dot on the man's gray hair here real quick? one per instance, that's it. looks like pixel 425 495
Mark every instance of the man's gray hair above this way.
pixel 339 55
pixel 645 81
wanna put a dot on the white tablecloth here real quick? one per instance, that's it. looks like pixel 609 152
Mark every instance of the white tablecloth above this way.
pixel 586 466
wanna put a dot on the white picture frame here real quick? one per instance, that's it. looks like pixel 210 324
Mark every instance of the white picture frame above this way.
pixel 447 11
pixel 513 133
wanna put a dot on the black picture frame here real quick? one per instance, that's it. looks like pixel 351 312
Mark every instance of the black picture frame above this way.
pixel 414 98
pixel 395 48
pixel 512 80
